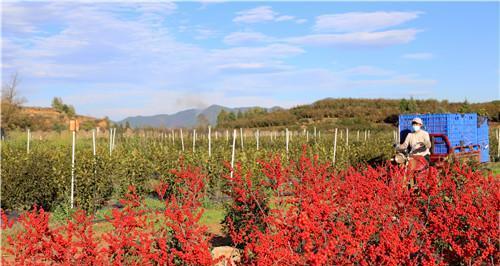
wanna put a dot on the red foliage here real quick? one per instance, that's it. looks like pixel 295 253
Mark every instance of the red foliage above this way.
pixel 300 213
pixel 370 216
pixel 169 237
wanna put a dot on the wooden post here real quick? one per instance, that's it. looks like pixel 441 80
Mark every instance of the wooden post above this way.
pixel 73 169
pixel 232 152
pixel 334 146
pixel 182 140
pixel 209 141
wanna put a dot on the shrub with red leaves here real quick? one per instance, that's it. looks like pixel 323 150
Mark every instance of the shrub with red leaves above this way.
pixel 368 216
pixel 298 213
pixel 169 237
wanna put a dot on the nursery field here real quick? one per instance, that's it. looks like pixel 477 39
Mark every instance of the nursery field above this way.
pixel 275 198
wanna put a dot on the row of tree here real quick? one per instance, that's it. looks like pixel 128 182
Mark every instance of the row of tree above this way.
pixel 355 112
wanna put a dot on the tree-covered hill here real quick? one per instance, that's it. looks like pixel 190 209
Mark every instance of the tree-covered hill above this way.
pixel 356 113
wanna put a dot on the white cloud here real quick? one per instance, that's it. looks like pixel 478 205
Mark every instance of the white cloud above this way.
pixel 237 38
pixel 272 51
pixel 253 67
pixel 301 21
pixel 262 14
pixel 362 21
pixel 203 33
pixel 284 18
pixel 161 8
pixel 254 15
pixel 381 38
pixel 367 71
pixel 418 56
pixel 139 67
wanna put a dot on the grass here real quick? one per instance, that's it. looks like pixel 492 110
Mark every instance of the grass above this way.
pixel 494 168
pixel 212 218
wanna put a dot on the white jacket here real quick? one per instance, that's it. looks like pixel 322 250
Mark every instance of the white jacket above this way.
pixel 414 138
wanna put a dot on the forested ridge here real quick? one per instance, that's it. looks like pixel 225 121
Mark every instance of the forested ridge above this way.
pixel 348 112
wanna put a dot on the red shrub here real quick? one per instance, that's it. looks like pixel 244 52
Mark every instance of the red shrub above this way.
pixel 169 237
pixel 301 213
pixel 369 216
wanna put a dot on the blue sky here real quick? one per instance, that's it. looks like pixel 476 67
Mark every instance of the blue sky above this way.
pixel 123 59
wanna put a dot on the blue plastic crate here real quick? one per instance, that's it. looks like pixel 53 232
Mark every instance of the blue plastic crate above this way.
pixel 483 138
pixel 461 129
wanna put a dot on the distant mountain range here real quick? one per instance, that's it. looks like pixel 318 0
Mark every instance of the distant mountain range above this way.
pixel 187 118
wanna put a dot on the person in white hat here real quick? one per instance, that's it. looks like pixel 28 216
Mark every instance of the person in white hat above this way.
pixel 418 141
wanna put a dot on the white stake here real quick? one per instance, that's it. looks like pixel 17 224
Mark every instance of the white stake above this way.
pixel 110 140
pixel 73 169
pixel 357 136
pixel 257 135
pixel 182 140
pixel 347 137
pixel 366 134
pixel 194 140
pixel 287 139
pixel 93 142
pixel 232 152
pixel 227 136
pixel 334 146
pixel 28 141
pixel 114 137
pixel 498 142
pixel 307 136
pixel 210 141
pixel 241 137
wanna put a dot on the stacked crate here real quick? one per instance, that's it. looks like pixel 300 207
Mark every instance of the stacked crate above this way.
pixel 483 138
pixel 461 129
